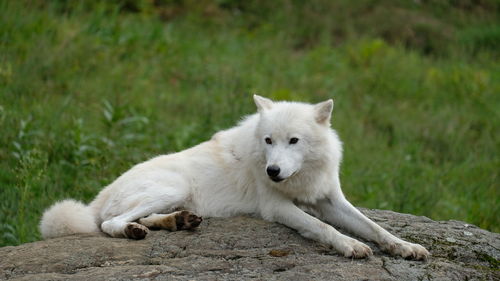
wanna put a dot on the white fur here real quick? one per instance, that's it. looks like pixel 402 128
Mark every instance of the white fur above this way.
pixel 226 176
pixel 67 217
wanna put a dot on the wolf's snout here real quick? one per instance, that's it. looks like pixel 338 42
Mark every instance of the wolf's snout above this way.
pixel 273 170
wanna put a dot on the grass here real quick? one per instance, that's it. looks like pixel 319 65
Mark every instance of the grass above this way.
pixel 87 89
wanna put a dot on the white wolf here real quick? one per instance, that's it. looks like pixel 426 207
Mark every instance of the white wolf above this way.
pixel 277 164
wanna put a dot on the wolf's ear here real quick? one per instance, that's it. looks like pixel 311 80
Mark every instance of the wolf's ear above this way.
pixel 262 103
pixel 323 112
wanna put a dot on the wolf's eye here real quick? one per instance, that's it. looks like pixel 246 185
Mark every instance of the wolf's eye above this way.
pixel 294 140
pixel 268 140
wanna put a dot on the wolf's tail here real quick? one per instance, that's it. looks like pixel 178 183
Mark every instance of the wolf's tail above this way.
pixel 67 217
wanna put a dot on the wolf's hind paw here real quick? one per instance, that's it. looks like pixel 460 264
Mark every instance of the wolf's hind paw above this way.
pixel 136 231
pixel 186 220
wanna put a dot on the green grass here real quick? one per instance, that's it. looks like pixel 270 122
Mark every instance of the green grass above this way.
pixel 89 89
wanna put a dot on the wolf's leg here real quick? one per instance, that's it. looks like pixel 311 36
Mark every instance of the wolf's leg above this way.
pixel 284 211
pixel 180 220
pixel 123 225
pixel 153 199
pixel 338 211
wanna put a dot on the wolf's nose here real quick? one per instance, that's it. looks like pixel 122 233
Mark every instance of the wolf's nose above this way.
pixel 273 170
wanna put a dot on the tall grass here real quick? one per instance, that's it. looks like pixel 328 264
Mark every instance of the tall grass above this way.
pixel 89 89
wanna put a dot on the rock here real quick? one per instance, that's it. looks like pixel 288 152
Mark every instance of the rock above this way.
pixel 245 248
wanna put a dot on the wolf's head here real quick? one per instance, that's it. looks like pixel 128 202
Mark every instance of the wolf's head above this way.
pixel 291 134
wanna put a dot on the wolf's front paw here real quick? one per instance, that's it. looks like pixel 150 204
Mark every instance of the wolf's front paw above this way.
pixel 352 248
pixel 136 231
pixel 406 250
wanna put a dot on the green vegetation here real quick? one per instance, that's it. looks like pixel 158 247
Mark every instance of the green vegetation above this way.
pixel 88 88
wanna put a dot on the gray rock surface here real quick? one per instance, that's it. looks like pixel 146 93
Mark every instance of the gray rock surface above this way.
pixel 245 248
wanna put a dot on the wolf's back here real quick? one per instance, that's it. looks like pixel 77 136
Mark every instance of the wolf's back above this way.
pixel 67 217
